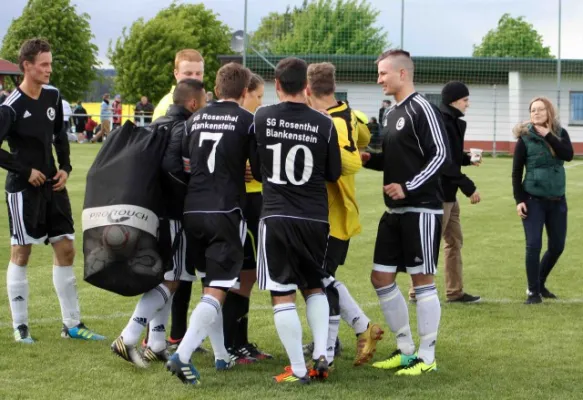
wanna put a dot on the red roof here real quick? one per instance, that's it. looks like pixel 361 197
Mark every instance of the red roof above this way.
pixel 8 68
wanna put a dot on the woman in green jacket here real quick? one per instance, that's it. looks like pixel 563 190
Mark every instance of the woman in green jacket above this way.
pixel 542 148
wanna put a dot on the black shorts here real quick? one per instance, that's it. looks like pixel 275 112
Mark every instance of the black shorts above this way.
pixel 252 212
pixel 291 254
pixel 336 254
pixel 408 242
pixel 215 242
pixel 39 215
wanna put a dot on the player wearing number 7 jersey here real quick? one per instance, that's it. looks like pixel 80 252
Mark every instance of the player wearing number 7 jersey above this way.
pixel 297 152
pixel 218 143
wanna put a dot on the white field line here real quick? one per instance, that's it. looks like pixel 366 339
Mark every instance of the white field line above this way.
pixel 259 307
pixel 573 165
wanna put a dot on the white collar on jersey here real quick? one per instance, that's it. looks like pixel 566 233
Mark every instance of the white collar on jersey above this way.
pixel 405 99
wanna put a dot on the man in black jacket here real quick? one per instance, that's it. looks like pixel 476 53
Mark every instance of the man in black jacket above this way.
pixel 414 154
pixel 455 101
pixel 79 118
pixel 143 111
pixel 154 306
pixel 383 110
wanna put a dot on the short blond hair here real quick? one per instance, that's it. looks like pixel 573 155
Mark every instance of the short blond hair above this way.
pixel 322 78
pixel 401 59
pixel 187 55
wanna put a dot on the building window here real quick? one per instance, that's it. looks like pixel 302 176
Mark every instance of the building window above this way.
pixel 433 98
pixel 576 108
pixel 341 96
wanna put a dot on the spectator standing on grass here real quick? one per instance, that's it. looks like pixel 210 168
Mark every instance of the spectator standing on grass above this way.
pixel 542 147
pixel 79 118
pixel 105 115
pixel 117 111
pixel 67 111
pixel 90 128
pixel 383 110
pixel 143 111
pixel 455 99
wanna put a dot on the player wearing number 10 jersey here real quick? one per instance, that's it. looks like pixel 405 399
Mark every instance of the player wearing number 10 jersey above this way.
pixel 297 151
pixel 219 141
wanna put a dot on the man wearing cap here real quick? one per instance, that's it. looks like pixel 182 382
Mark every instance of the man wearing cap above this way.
pixel 454 102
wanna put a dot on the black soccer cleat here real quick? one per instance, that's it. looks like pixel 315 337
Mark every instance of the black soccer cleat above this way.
pixel 320 370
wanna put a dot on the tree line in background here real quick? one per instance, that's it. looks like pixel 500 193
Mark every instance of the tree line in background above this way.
pixel 143 56
pixel 68 32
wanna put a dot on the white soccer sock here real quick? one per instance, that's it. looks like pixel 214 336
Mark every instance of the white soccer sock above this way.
pixel 201 320
pixel 150 304
pixel 289 329
pixel 17 288
pixel 396 314
pixel 66 287
pixel 333 327
pixel 350 311
pixel 428 316
pixel 157 334
pixel 217 338
pixel 318 312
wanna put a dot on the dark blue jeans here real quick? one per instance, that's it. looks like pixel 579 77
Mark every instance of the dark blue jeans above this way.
pixel 551 214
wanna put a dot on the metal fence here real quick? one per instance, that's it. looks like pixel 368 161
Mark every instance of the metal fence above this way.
pixel 441 35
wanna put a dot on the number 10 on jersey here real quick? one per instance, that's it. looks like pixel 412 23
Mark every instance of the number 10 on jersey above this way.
pixel 290 161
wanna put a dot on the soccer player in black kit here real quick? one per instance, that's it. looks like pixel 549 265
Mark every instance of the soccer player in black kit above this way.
pixel 414 152
pixel 297 152
pixel 39 210
pixel 220 136
pixel 153 308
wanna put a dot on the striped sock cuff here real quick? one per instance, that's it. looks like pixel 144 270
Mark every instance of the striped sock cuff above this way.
pixel 334 320
pixel 425 291
pixel 164 292
pixel 207 298
pixel 283 307
pixel 387 291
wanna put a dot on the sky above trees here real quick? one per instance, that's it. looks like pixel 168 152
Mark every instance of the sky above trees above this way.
pixel 432 27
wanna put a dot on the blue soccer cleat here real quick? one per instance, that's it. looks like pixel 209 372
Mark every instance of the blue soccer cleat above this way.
pixel 186 372
pixel 223 365
pixel 80 332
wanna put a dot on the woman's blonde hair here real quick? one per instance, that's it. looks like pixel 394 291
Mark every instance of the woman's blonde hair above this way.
pixel 552 119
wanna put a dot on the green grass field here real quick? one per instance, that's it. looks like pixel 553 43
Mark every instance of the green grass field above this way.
pixel 497 349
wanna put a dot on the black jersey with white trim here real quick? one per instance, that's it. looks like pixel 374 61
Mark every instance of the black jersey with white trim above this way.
pixel 297 152
pixel 415 150
pixel 219 137
pixel 31 127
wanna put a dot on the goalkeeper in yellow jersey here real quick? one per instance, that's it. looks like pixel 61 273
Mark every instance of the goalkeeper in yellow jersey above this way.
pixel 353 134
pixel 188 64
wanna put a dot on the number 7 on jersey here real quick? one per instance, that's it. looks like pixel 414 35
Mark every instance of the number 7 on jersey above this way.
pixel 216 138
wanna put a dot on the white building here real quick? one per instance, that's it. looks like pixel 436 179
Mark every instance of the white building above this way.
pixel 500 90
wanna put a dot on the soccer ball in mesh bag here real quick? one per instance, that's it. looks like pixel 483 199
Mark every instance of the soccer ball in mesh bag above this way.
pixel 146 262
pixel 120 238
